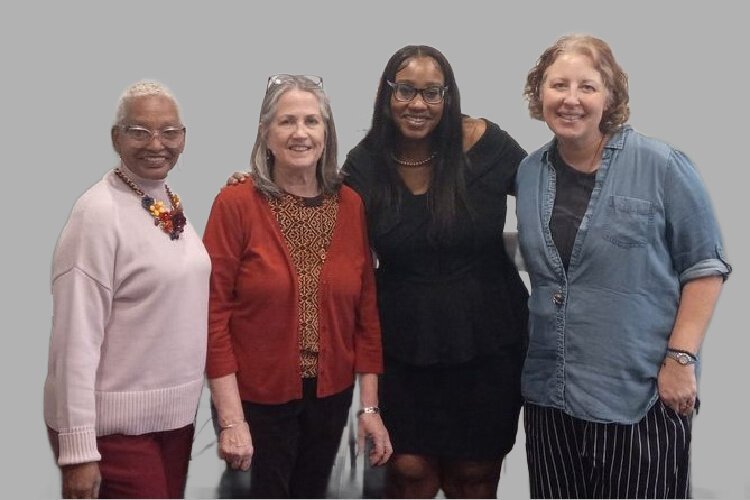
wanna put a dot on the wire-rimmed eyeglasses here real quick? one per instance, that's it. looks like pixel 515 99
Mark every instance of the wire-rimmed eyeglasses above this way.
pixel 169 136
pixel 280 78
pixel 405 92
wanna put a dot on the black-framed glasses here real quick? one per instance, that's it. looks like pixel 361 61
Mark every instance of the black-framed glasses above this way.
pixel 315 80
pixel 169 136
pixel 405 92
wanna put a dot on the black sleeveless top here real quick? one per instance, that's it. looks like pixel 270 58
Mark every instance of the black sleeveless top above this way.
pixel 458 298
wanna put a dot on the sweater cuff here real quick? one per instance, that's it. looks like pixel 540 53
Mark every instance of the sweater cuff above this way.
pixel 217 369
pixel 78 446
pixel 368 366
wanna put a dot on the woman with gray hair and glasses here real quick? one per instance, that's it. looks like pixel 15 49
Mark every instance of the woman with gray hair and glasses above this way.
pixel 293 312
pixel 130 289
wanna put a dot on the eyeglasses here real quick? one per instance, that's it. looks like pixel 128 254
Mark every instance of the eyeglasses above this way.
pixel 169 136
pixel 283 77
pixel 403 92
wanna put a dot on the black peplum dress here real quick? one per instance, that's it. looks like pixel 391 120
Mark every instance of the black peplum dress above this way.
pixel 453 309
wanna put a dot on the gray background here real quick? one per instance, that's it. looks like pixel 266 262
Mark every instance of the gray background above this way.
pixel 64 66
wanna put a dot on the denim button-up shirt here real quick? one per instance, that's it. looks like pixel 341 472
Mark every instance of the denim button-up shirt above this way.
pixel 599 332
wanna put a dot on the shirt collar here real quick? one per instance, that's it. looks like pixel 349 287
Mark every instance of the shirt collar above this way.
pixel 617 141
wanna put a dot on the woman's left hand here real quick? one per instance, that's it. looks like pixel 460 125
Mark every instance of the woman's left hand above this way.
pixel 371 426
pixel 677 386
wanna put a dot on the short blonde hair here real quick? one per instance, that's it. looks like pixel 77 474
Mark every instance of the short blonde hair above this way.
pixel 615 79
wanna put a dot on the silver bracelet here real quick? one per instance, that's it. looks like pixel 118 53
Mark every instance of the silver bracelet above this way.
pixel 368 409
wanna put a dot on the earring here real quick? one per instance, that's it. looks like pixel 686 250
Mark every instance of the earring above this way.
pixel 269 156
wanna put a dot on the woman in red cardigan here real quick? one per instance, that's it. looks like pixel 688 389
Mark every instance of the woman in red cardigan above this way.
pixel 293 313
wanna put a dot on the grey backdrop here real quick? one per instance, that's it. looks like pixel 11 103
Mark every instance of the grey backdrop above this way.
pixel 64 66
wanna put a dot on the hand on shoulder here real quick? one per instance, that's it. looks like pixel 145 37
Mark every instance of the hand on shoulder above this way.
pixel 237 177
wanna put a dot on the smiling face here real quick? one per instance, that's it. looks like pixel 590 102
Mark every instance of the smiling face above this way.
pixel 152 159
pixel 296 135
pixel 574 98
pixel 416 119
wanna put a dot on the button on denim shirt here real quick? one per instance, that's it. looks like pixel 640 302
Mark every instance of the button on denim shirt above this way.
pixel 598 333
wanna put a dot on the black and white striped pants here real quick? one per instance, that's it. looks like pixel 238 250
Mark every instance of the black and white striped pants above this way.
pixel 573 458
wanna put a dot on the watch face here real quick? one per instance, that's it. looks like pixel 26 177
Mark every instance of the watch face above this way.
pixel 680 357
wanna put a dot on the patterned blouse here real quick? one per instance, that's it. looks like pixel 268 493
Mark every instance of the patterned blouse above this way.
pixel 307 226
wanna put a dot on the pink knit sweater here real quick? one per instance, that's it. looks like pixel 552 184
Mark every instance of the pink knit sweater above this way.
pixel 128 345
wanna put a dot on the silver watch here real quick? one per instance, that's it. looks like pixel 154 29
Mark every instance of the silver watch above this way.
pixel 683 358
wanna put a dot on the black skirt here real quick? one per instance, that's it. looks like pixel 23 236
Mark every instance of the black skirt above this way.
pixel 466 411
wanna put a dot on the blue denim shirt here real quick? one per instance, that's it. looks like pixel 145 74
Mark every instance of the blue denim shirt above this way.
pixel 598 332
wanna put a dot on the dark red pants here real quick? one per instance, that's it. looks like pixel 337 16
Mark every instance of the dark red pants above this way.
pixel 152 465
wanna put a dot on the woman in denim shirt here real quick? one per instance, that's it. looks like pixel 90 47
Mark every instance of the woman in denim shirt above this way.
pixel 626 263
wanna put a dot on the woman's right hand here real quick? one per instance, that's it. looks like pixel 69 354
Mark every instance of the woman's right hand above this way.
pixel 236 446
pixel 237 178
pixel 81 480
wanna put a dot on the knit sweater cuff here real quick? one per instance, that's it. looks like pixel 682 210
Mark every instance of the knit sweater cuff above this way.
pixel 78 446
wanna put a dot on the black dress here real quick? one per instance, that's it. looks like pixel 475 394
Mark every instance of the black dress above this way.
pixel 453 311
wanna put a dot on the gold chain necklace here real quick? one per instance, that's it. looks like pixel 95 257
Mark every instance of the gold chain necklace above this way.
pixel 414 163
pixel 171 221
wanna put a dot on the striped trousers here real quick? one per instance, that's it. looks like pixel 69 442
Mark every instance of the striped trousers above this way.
pixel 573 458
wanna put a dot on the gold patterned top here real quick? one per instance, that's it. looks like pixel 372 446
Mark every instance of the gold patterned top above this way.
pixel 307 226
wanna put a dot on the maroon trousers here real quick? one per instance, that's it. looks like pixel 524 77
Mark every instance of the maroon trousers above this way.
pixel 152 465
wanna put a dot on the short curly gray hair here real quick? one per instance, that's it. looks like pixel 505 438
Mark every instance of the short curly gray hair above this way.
pixel 142 88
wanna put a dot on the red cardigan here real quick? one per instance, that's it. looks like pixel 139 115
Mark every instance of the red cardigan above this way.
pixel 253 317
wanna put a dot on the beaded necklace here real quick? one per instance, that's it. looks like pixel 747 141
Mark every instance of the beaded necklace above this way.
pixel 414 163
pixel 171 221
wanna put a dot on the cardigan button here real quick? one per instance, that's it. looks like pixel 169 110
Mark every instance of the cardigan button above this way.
pixel 558 298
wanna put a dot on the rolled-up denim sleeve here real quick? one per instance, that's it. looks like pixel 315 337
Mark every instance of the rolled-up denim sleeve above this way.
pixel 692 231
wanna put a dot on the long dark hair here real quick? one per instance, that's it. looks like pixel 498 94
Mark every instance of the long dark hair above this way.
pixel 447 186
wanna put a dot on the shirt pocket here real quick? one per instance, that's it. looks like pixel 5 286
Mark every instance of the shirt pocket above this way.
pixel 628 221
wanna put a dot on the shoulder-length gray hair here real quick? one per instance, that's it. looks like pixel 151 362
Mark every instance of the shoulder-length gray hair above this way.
pixel 261 161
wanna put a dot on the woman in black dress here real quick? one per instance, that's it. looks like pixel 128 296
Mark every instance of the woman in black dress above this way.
pixel 452 305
